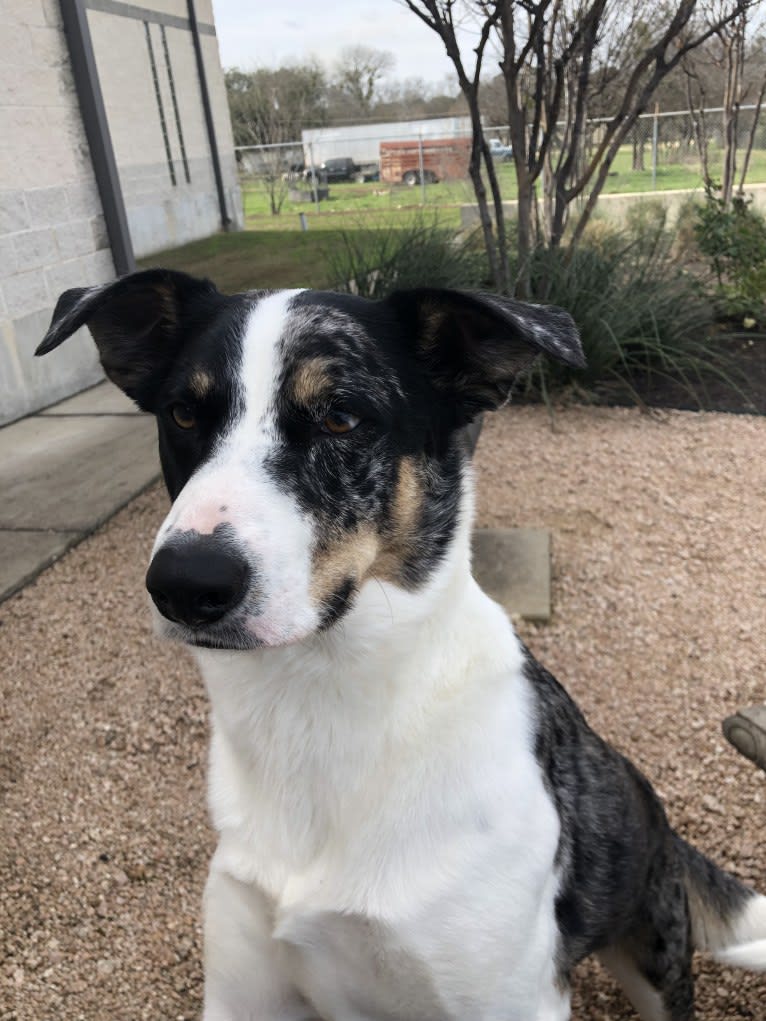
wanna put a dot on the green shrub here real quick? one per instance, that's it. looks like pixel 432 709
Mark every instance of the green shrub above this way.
pixel 373 262
pixel 638 313
pixel 734 241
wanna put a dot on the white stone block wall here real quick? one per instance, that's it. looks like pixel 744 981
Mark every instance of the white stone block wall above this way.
pixel 52 230
pixel 163 212
pixel 52 233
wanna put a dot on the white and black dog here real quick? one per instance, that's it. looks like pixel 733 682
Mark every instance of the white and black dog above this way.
pixel 416 823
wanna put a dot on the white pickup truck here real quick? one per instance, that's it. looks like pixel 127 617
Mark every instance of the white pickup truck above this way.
pixel 500 151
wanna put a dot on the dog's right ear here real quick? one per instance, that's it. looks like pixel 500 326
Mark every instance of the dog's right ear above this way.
pixel 138 323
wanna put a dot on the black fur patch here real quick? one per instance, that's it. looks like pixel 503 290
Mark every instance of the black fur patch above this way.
pixel 338 604
pixel 612 824
pixel 351 482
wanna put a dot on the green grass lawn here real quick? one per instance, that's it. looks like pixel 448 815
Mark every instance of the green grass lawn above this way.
pixel 672 175
pixel 244 260
pixel 350 205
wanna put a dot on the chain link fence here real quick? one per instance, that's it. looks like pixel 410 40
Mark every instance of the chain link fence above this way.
pixel 336 174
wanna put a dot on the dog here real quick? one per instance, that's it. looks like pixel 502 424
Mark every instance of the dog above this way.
pixel 415 821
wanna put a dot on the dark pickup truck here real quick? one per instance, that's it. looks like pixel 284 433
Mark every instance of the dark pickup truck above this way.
pixel 343 168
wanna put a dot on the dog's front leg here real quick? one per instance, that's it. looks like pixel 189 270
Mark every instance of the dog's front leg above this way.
pixel 245 971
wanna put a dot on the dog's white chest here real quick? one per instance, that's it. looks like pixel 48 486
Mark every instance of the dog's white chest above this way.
pixel 408 880
pixel 474 951
pixel 348 966
pixel 457 922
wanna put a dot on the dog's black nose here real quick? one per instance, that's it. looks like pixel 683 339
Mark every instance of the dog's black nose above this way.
pixel 196 583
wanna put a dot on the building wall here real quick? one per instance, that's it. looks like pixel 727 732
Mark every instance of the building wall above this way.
pixel 52 230
pixel 154 107
pixel 52 233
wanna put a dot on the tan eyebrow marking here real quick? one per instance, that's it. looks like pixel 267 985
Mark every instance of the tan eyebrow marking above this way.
pixel 311 379
pixel 201 383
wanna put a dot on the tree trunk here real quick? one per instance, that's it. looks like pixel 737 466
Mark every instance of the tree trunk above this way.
pixel 525 236
pixel 494 256
pixel 497 199
pixel 638 149
pixel 751 138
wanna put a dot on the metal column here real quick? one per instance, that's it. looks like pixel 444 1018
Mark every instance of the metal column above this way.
pixel 97 130
pixel 225 218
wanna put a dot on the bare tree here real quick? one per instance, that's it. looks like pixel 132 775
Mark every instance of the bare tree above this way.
pixel 360 72
pixel 556 57
pixel 271 105
pixel 725 54
pixel 265 107
pixel 440 16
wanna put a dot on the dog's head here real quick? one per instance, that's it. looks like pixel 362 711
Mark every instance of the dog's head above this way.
pixel 309 440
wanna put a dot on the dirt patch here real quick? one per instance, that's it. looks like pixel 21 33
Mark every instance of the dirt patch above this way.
pixel 658 631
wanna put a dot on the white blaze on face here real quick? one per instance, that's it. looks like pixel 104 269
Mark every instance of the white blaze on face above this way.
pixel 233 488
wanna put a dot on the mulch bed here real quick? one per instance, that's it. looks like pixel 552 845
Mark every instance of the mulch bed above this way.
pixel 744 392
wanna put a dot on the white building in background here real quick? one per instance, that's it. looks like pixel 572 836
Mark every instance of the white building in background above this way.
pixel 115 141
pixel 362 141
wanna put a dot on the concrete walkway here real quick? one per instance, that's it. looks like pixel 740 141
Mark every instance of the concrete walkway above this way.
pixel 67 469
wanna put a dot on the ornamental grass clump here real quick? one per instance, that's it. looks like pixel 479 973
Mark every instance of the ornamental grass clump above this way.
pixel 372 262
pixel 640 315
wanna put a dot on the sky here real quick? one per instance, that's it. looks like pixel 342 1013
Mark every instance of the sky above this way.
pixel 252 33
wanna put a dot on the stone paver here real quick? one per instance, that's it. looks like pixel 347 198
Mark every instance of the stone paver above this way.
pixel 69 473
pixel 747 732
pixel 513 566
pixel 66 470
pixel 104 399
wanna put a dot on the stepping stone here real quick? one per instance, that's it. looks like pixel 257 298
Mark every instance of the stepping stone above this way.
pixel 513 566
pixel 746 730
pixel 66 470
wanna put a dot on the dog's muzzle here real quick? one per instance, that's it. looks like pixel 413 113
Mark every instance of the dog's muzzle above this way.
pixel 197 582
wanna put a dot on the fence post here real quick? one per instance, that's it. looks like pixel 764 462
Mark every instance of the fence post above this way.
pixel 422 170
pixel 314 185
pixel 655 139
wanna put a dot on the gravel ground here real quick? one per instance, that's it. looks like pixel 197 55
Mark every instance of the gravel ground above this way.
pixel 658 631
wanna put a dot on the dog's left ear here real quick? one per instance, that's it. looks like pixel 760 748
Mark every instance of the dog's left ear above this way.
pixel 139 323
pixel 477 344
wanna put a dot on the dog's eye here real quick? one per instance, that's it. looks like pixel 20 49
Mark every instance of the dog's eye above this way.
pixel 339 422
pixel 183 416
